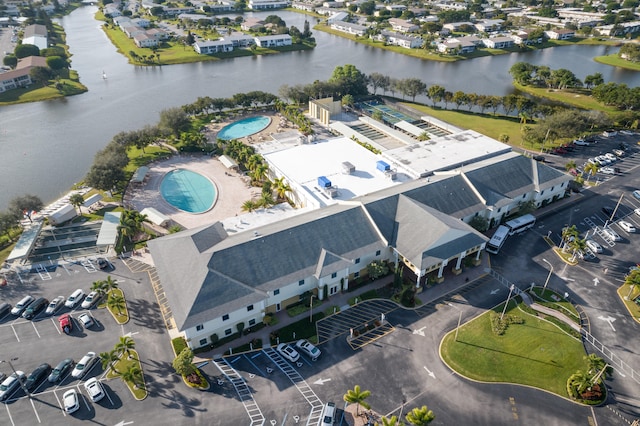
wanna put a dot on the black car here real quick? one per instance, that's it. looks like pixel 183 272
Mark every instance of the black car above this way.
pixel 35 308
pixel 37 376
pixel 4 309
pixel 103 263
pixel 61 369
pixel 608 211
pixel 539 158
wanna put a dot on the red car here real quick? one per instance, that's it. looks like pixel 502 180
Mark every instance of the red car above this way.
pixel 66 325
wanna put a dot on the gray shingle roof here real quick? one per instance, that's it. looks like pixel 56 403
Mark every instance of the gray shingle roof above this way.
pixel 511 177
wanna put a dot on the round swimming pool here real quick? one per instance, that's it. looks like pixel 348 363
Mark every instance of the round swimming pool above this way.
pixel 244 127
pixel 188 191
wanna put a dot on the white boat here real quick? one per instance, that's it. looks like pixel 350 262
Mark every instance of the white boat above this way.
pixel 104 75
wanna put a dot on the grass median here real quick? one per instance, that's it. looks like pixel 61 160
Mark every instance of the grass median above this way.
pixel 535 353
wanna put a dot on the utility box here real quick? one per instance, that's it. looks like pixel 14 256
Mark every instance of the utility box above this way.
pixel 382 166
pixel 323 182
pixel 348 168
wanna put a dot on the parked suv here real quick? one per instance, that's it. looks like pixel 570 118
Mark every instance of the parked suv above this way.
pixel 22 305
pixel 34 308
pixel 74 299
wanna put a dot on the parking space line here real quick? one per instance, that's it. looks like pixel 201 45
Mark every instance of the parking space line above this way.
pixel 256 367
pixel 34 410
pixel 55 326
pixel 14 333
pixel 9 414
pixel 34 327
pixel 59 403
pixel 108 397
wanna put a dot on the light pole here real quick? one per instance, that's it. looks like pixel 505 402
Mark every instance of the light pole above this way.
pixel 26 391
pixel 311 309
pixel 404 401
pixel 507 302
pixel 459 320
pixel 548 276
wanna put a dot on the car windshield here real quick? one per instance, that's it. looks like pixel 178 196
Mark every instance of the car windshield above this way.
pixel 3 388
pixel 80 367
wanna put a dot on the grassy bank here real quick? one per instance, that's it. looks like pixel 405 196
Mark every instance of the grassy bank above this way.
pixel 615 61
pixel 579 98
pixel 491 125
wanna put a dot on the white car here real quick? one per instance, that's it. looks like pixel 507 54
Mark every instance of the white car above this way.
pixel 74 299
pixel 602 160
pixel 609 133
pixel 611 234
pixel 637 212
pixel 90 300
pixel 86 320
pixel 607 171
pixel 627 226
pixel 10 384
pixel 84 365
pixel 71 401
pixel 581 142
pixel 618 152
pixel 636 194
pixel 55 305
pixel 626 133
pixel 594 246
pixel 22 305
pixel 611 157
pixel 288 352
pixel 308 348
pixel 94 389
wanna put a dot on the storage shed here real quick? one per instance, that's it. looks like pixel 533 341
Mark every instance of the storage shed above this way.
pixel 348 168
pixel 63 214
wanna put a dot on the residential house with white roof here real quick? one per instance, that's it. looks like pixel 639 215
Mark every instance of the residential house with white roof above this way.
pixel 403 25
pixel 21 75
pixel 348 27
pixel 267 4
pixel 277 40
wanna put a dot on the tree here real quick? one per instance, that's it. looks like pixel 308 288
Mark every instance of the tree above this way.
pixel 249 206
pixel 110 284
pixel 10 61
pixel 100 287
pixel 77 200
pixel 40 75
pixel 413 87
pixel 117 302
pixel 281 187
pixel 595 365
pixel 420 416
pixel 522 72
pixel 435 93
pixel 393 421
pixel 571 165
pixel 109 359
pixel 8 222
pixel 591 169
pixel 132 374
pixel 479 223
pixel 578 383
pixel 377 270
pixel 183 363
pixel 25 206
pixel 357 396
pixel 24 50
pixel 569 233
pixel 57 63
pixel 349 80
pixel 174 121
pixel 125 345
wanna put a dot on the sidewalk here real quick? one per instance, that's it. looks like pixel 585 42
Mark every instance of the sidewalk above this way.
pixel 452 284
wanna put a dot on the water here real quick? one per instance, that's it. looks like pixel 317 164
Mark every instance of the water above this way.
pixel 47 146
pixel 188 191
pixel 244 127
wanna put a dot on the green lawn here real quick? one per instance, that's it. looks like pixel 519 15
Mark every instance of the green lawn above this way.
pixel 627 295
pixel 535 353
pixel 579 98
pixel 139 392
pixel 615 61
pixel 120 317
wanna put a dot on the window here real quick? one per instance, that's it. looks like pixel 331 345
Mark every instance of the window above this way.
pixel 276 292
pixel 377 252
pixel 357 260
pixel 203 341
pixel 227 332
pixel 301 282
pixel 252 322
pixel 333 290
pixel 335 274
pixel 249 308
pixel 199 327
pixel 356 274
pixel 225 317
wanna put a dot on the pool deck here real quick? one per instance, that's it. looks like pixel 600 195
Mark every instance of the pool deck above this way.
pixel 232 191
pixel 232 188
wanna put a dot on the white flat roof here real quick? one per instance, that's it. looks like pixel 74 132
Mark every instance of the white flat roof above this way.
pixel 444 153
pixel 303 164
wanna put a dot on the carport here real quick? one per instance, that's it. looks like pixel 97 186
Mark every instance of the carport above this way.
pixel 25 243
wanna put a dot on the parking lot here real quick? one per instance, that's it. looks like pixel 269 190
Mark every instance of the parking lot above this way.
pixel 28 343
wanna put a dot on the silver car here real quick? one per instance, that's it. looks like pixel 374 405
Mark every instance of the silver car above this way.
pixel 55 305
pixel 10 384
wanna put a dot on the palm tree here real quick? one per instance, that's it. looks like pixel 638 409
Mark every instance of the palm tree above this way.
pixel 249 206
pixel 357 396
pixel 110 284
pixel 133 374
pixel 282 187
pixel 115 301
pixel 125 346
pixel 571 165
pixel 420 416
pixel 569 233
pixel 579 382
pixel 596 365
pixel 260 172
pixel 577 245
pixel 109 360
pixel 591 169
pixel 266 200
pixel 100 286
pixel 393 421
pixel 77 200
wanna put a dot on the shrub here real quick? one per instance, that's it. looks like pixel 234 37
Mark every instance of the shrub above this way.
pixel 178 345
pixel 499 326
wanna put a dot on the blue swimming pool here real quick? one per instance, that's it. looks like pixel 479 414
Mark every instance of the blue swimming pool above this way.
pixel 188 191
pixel 244 127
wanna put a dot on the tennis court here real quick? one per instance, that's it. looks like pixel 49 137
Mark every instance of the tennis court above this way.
pixel 388 114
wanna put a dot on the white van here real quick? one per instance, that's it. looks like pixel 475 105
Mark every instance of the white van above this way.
pixel 328 414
